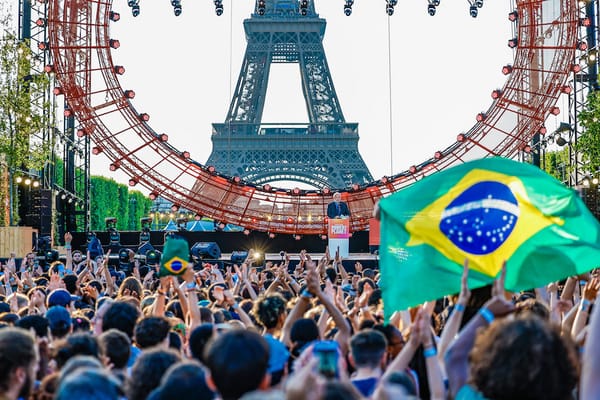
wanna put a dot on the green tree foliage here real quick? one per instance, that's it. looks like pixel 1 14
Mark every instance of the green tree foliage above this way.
pixel 24 112
pixel 112 199
pixel 588 143
pixel 556 163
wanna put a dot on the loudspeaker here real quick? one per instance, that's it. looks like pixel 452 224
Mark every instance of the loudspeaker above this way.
pixel 206 250
pixel 45 212
pixel 238 257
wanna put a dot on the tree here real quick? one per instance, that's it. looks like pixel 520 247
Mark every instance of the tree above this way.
pixel 111 199
pixel 25 113
pixel 588 142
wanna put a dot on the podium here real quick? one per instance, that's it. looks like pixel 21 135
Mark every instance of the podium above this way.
pixel 339 236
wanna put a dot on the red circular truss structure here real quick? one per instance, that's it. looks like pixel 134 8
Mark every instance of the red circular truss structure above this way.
pixel 81 49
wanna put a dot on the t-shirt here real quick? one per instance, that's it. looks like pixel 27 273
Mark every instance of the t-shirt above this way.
pixel 365 386
pixel 134 354
pixel 279 354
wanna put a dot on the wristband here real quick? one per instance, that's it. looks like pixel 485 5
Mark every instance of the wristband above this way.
pixel 190 285
pixel 459 308
pixel 306 294
pixel 235 306
pixel 430 352
pixel 486 314
pixel 67 246
pixel 585 305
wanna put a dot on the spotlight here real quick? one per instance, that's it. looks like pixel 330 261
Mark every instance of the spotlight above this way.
pixel 513 16
pixel 260 8
pixel 496 94
pixel 478 3
pixel 473 11
pixel 434 2
pixel 512 43
pixel 480 117
pixel 63 196
pixel 389 9
pixel 133 181
pixel 19 179
pixel 348 7
pixel 176 7
pixel 132 3
pixel 119 69
pixel 114 16
pixel 218 7
pixel 58 91
pixel 41 22
pixel 27 181
pixel 114 166
pixel 110 223
pixel 431 9
pixel 153 195
pixel 145 117
pixel 135 10
pixel 560 140
pixel 114 43
pixel 96 150
pixel 507 69
pixel 130 94
pixel 303 7
pixel 581 45
pixel 555 111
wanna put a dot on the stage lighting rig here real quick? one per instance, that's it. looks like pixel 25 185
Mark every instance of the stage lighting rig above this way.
pixel 473 10
pixel 389 7
pixel 303 7
pixel 176 7
pixel 261 6
pixel 218 7
pixel 348 7
pixel 135 7
pixel 431 9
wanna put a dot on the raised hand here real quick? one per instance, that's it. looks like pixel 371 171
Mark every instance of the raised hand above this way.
pixel 590 290
pixel 465 293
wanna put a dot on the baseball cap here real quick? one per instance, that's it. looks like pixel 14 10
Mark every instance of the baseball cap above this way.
pixel 58 317
pixel 60 297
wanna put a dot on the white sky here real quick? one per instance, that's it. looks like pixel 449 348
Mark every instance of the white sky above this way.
pixel 183 70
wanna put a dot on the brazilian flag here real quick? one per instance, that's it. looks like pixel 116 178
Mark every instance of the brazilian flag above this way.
pixel 487 211
pixel 175 256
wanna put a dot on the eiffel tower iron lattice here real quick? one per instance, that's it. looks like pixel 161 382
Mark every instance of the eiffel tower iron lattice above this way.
pixel 324 151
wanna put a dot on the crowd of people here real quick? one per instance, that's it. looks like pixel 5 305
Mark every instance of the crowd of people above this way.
pixel 311 329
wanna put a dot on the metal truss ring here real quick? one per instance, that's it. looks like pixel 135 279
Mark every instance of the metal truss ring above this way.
pixel 547 37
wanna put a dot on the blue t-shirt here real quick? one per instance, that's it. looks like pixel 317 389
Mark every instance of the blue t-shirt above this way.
pixel 365 386
pixel 278 356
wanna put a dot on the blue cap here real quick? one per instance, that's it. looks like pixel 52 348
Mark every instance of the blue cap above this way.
pixel 60 297
pixel 58 316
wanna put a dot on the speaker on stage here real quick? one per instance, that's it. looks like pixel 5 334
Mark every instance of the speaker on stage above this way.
pixel 206 250
pixel 238 257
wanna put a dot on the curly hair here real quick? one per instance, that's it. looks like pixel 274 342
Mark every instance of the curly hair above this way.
pixel 269 309
pixel 524 358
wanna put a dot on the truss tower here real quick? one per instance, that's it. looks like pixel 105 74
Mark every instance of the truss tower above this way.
pixel 322 152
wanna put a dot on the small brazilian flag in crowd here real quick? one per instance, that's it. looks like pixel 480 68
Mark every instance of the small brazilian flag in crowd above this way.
pixel 175 256
pixel 487 211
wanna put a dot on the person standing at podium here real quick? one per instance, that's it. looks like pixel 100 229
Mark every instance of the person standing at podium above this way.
pixel 337 208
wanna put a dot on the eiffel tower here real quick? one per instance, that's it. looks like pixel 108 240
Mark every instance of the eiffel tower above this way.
pixel 322 152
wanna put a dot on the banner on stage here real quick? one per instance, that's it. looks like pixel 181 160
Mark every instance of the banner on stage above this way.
pixel 339 228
